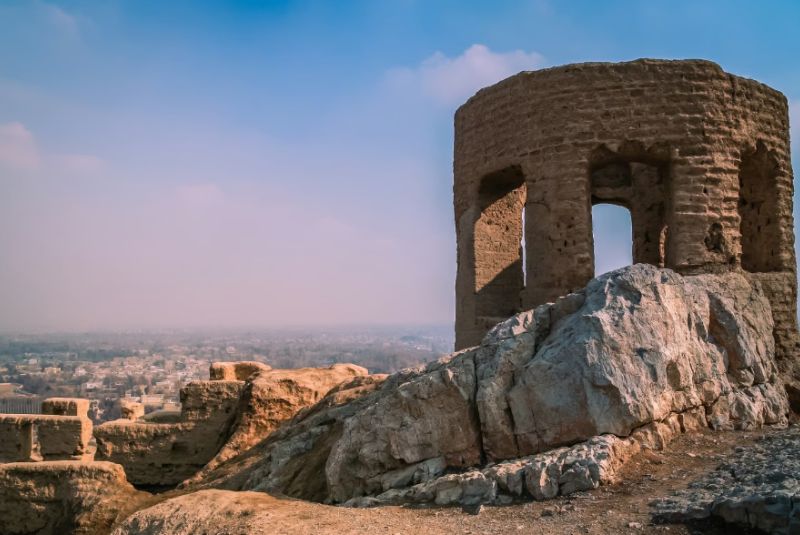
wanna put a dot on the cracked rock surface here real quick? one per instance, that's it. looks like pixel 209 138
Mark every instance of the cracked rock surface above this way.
pixel 756 487
pixel 561 471
pixel 640 351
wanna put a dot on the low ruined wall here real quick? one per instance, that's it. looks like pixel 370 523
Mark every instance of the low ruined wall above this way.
pixel 53 498
pixel 164 454
pixel 212 402
pixel 219 419
pixel 63 432
pixel 26 437
pixel 17 439
pixel 157 454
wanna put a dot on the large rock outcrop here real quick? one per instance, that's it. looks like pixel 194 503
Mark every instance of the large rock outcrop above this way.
pixel 640 352
pixel 57 497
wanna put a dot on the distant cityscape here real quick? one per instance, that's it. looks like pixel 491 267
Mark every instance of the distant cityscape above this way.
pixel 151 367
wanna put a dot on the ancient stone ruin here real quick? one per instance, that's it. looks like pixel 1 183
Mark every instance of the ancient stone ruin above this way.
pixel 553 401
pixel 62 432
pixel 49 482
pixel 58 474
pixel 700 157
pixel 559 378
pixel 241 404
pixel 168 449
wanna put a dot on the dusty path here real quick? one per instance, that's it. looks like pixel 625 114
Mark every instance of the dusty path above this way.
pixel 621 508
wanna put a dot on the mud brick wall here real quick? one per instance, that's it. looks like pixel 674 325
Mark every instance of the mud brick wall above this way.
pixel 699 156
pixel 33 437
pixel 16 439
pixel 164 454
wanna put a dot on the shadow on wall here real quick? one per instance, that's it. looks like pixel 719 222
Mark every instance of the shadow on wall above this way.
pixel 499 245
pixel 501 297
pixel 758 209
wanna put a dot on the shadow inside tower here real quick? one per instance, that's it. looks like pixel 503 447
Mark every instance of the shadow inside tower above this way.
pixel 499 246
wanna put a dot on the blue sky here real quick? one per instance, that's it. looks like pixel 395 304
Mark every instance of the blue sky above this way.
pixel 172 164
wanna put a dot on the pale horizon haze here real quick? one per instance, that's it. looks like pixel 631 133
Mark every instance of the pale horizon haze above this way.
pixel 258 164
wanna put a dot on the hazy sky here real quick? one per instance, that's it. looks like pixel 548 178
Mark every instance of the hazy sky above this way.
pixel 175 164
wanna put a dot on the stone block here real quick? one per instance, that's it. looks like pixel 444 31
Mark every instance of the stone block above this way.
pixel 63 437
pixel 16 439
pixel 28 437
pixel 203 400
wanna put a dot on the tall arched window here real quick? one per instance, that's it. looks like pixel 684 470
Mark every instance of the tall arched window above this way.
pixel 499 247
pixel 613 239
pixel 758 198
pixel 629 199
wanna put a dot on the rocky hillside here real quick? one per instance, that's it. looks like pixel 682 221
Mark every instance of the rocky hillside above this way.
pixel 623 508
pixel 555 401
pixel 639 355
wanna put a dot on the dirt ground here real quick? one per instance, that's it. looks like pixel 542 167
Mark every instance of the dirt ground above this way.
pixel 615 509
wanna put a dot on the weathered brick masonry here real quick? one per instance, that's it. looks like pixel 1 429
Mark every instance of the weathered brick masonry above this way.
pixel 700 157
pixel 62 432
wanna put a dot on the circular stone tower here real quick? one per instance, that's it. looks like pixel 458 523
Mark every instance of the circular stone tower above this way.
pixel 700 157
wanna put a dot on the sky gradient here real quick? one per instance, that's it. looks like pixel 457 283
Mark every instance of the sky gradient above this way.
pixel 244 164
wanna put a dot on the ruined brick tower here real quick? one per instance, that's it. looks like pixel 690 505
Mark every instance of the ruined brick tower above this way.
pixel 700 157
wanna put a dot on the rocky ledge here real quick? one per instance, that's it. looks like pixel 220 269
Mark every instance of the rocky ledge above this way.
pixel 756 487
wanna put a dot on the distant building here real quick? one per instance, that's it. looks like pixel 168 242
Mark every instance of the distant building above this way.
pixel 20 405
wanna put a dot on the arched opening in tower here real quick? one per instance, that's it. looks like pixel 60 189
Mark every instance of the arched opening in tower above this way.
pixel 613 237
pixel 629 199
pixel 758 196
pixel 499 245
